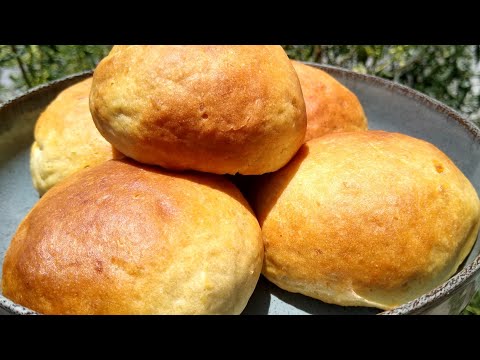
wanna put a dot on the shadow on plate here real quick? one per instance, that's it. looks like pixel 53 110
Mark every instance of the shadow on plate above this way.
pixel 259 303
pixel 267 292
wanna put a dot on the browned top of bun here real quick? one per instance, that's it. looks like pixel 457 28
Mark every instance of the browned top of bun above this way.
pixel 331 107
pixel 66 139
pixel 218 109
pixel 121 238
pixel 366 219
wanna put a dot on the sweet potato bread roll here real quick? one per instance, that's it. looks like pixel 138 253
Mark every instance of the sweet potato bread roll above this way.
pixel 66 139
pixel 331 107
pixel 217 109
pixel 366 219
pixel 122 238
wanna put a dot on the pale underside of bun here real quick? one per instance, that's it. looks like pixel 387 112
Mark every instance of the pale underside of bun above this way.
pixel 365 219
pixel 122 238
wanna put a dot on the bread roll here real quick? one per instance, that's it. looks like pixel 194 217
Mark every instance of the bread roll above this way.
pixel 66 139
pixel 121 238
pixel 217 109
pixel 331 107
pixel 366 219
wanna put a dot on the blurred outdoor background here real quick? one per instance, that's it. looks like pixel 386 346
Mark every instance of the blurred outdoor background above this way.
pixel 448 73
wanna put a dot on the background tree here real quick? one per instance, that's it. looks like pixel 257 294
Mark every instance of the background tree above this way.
pixel 25 66
pixel 449 73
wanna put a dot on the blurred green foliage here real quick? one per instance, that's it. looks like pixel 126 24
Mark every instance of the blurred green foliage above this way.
pixel 474 307
pixel 31 65
pixel 449 73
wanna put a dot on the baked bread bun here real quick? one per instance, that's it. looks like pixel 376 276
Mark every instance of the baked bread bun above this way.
pixel 331 107
pixel 217 109
pixel 370 219
pixel 66 139
pixel 121 238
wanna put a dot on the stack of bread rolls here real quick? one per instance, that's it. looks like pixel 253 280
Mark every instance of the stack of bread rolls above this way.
pixel 138 217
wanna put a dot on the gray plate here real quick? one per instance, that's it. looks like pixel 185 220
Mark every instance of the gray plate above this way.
pixel 388 106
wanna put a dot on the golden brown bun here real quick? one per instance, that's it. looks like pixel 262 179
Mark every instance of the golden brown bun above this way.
pixel 121 238
pixel 331 107
pixel 218 109
pixel 366 219
pixel 66 139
